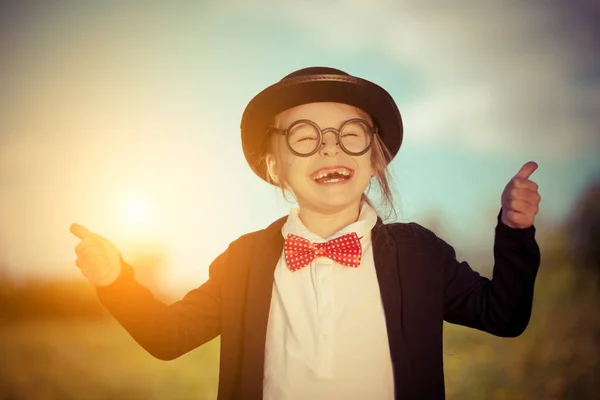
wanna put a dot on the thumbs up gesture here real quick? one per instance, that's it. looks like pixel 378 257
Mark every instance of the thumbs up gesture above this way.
pixel 520 199
pixel 97 258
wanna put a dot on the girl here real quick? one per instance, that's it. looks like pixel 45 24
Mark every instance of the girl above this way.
pixel 329 302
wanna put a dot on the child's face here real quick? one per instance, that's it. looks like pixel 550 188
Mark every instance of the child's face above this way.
pixel 301 174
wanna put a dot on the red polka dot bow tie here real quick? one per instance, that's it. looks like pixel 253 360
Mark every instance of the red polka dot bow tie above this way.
pixel 345 250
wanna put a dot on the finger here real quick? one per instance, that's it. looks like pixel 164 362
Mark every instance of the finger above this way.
pixel 526 170
pixel 89 253
pixel 79 231
pixel 92 265
pixel 83 263
pixel 521 183
pixel 98 259
pixel 81 247
pixel 527 195
pixel 523 207
pixel 85 271
pixel 85 268
pixel 85 246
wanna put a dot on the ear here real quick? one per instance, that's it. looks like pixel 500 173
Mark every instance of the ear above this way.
pixel 272 168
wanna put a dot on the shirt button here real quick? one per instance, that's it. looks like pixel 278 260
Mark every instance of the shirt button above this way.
pixel 325 308
pixel 325 336
pixel 327 261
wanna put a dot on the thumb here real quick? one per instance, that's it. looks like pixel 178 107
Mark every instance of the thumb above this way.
pixel 526 170
pixel 79 231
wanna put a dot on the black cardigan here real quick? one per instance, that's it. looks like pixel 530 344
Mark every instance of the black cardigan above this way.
pixel 421 283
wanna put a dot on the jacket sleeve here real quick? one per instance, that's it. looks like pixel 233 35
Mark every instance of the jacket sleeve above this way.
pixel 500 306
pixel 166 331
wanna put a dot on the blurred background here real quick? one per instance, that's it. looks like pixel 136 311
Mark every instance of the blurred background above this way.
pixel 125 118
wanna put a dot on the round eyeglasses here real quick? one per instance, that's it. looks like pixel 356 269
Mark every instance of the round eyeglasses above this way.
pixel 304 137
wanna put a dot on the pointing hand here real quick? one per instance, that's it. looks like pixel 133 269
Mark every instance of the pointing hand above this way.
pixel 98 259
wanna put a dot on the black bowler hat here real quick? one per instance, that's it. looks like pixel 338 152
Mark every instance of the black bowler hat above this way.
pixel 312 85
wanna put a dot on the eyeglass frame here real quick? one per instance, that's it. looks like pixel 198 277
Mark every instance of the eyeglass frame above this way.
pixel 372 129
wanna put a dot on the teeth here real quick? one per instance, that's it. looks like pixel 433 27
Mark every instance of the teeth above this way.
pixel 323 174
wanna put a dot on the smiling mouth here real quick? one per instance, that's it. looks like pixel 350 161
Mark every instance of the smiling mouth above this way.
pixel 333 175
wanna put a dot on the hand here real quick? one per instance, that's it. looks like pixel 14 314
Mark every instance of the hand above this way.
pixel 98 259
pixel 520 199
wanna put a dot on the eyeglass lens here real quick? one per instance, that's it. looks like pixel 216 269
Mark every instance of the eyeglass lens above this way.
pixel 354 137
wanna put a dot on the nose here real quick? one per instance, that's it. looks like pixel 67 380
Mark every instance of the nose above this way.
pixel 330 145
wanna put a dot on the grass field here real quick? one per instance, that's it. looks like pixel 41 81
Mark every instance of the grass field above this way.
pixel 558 357
pixel 97 360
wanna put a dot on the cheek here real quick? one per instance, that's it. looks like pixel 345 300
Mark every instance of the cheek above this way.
pixel 289 165
pixel 365 166
pixel 284 162
pixel 292 170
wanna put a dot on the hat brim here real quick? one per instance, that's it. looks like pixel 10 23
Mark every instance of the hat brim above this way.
pixel 292 92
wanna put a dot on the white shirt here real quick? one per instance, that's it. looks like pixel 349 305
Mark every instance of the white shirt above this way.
pixel 326 333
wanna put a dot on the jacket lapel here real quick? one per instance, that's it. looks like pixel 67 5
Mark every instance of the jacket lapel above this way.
pixel 258 302
pixel 388 266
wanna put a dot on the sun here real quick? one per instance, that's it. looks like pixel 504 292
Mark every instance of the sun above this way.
pixel 136 212
pixel 139 216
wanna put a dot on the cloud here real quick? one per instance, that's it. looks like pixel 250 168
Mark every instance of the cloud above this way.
pixel 495 76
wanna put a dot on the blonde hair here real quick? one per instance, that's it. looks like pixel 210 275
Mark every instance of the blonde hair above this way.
pixel 380 159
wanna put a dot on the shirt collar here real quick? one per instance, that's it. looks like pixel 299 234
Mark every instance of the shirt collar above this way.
pixel 362 226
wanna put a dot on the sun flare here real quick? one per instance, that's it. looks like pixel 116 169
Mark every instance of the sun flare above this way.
pixel 136 212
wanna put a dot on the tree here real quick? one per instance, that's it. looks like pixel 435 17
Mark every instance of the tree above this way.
pixel 583 226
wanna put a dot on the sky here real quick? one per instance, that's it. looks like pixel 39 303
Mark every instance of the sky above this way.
pixel 125 118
